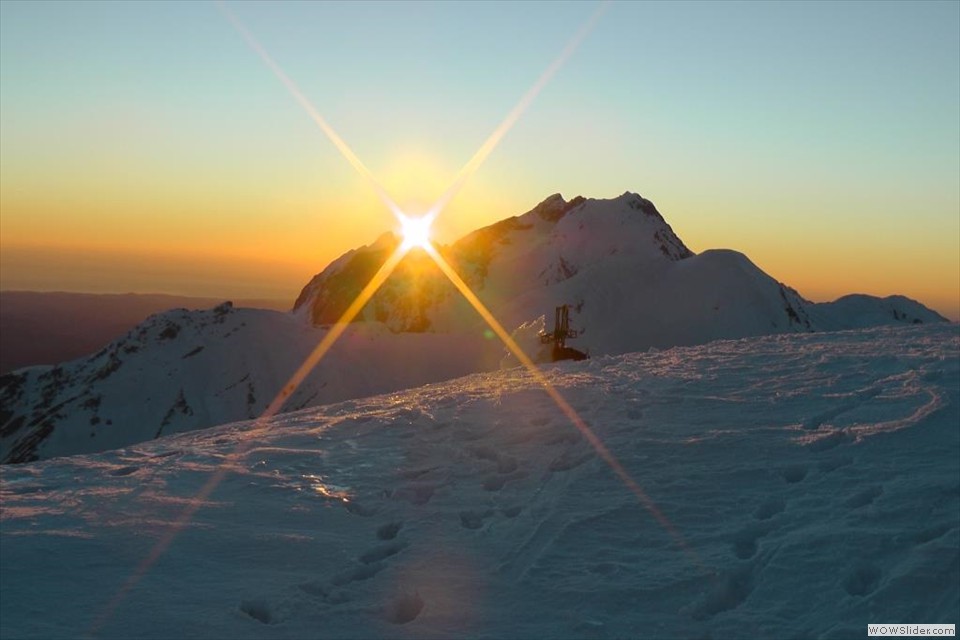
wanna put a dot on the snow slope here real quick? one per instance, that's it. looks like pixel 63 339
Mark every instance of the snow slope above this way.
pixel 810 484
pixel 631 281
pixel 185 370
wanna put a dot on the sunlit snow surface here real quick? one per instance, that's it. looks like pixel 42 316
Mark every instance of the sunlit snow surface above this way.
pixel 814 481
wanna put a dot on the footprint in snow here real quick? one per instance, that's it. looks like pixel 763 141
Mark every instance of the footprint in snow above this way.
pixel 325 592
pixel 403 608
pixel 727 592
pixel 506 464
pixel 926 535
pixel 389 531
pixel 794 473
pixel 368 565
pixel 494 483
pixel 497 482
pixel 474 519
pixel 511 512
pixel 864 497
pixel 769 508
pixel 261 610
pixel 862 580
pixel 357 574
pixel 416 493
pixel 745 541
pixel 382 552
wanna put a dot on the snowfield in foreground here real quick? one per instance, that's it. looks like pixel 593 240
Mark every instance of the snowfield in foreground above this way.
pixel 810 484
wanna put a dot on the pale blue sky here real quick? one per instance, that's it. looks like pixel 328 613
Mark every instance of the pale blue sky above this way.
pixel 760 126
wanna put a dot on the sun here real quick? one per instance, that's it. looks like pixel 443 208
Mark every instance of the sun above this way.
pixel 415 232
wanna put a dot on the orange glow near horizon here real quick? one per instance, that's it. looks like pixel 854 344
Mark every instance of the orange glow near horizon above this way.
pixel 112 186
pixel 415 234
pixel 49 250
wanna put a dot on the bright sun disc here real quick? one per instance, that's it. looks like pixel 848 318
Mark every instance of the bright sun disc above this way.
pixel 416 232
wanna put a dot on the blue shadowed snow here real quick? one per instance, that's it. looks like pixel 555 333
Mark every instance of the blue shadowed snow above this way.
pixel 813 482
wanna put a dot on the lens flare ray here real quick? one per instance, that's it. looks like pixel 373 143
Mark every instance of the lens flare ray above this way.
pixel 336 330
pixel 555 395
pixel 421 240
pixel 514 115
pixel 307 106
pixel 250 436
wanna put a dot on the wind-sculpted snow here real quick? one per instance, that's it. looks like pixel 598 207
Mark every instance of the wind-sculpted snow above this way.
pixel 811 483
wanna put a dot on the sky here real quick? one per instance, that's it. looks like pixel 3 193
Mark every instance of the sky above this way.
pixel 146 147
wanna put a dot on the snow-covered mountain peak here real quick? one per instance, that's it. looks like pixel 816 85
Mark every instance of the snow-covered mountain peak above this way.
pixel 550 202
pixel 555 207
pixel 548 244
pixel 630 283
pixel 637 202
pixel 328 293
pixel 627 224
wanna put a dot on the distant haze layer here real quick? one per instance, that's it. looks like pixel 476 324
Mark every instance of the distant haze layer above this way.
pixel 52 327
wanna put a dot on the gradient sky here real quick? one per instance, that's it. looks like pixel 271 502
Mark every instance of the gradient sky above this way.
pixel 145 147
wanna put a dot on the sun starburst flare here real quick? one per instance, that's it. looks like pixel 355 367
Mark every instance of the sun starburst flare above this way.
pixel 415 234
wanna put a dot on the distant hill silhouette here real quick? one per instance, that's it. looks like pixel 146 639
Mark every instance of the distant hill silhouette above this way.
pixel 52 327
